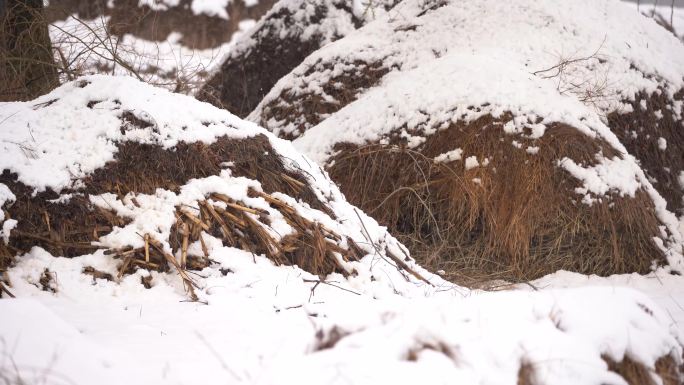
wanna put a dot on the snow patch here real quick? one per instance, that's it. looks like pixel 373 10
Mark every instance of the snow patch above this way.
pixel 449 156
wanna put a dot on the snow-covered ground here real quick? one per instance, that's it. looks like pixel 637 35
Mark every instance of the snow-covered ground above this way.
pixel 664 11
pixel 266 325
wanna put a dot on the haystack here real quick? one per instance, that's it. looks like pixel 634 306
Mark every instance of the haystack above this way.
pixel 291 31
pixel 202 24
pixel 652 129
pixel 463 157
pixel 151 178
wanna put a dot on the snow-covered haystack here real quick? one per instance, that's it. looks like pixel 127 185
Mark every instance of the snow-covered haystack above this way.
pixel 201 23
pixel 476 131
pixel 149 176
pixel 652 129
pixel 127 182
pixel 291 31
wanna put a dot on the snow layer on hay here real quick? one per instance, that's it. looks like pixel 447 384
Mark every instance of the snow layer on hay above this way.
pixel 609 47
pixel 458 61
pixel 58 139
pixel 341 19
pixel 208 7
pixel 264 323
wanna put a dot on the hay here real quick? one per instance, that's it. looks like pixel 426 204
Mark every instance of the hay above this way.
pixel 517 219
pixel 666 370
pixel 652 117
pixel 281 41
pixel 634 373
pixel 303 110
pixel 70 228
pixel 246 76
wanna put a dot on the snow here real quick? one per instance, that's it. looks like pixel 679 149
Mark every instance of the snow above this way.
pixel 664 12
pixel 323 20
pixel 494 89
pixel 257 322
pixel 471 162
pixel 662 144
pixel 617 51
pixel 449 156
pixel 7 227
pixel 216 8
pixel 57 139
pixel 6 196
pixel 210 7
pixel 88 46
pixel 262 324
pixel 68 138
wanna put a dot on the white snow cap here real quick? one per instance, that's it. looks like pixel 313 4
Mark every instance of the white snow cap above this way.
pixel 612 52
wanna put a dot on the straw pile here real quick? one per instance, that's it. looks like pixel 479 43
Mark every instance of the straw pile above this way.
pixel 290 32
pixel 251 196
pixel 379 108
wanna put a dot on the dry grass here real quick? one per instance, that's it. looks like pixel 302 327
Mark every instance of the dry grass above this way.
pixel 247 75
pixel 69 228
pixel 526 374
pixel 516 219
pixel 309 108
pixel 666 370
pixel 640 130
pixel 306 109
pixel 635 373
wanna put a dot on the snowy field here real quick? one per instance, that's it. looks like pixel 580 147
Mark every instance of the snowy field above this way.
pixel 258 323
pixel 265 325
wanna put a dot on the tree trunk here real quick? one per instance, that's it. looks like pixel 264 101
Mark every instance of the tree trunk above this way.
pixel 27 67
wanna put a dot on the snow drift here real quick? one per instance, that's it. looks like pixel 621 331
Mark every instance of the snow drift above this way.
pixel 478 130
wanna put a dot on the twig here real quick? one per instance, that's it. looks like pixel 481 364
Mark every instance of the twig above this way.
pixel 329 284
pixel 397 260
